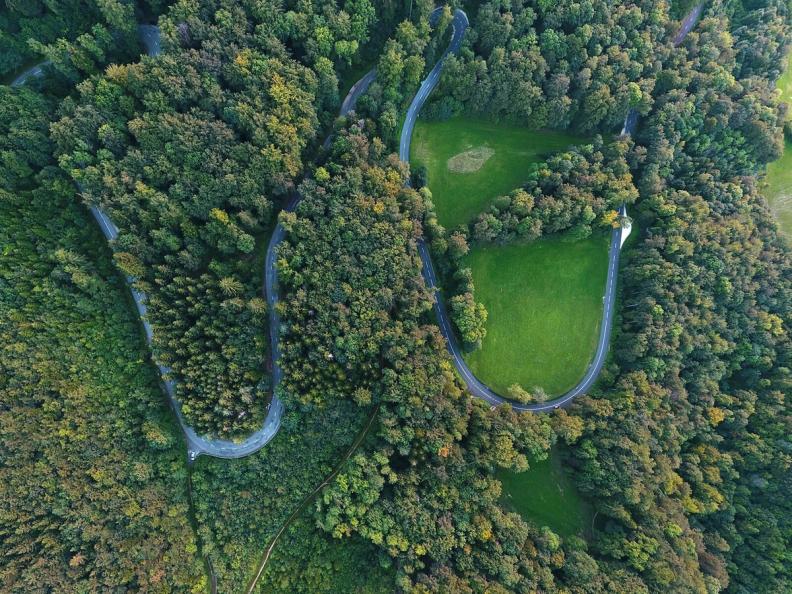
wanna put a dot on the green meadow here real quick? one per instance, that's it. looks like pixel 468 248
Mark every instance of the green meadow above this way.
pixel 545 303
pixel 546 496
pixel 778 188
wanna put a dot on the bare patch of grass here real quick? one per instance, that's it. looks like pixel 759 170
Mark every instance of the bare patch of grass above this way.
pixel 470 160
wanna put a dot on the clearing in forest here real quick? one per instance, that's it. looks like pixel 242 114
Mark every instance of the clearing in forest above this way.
pixel 779 173
pixel 545 304
pixel 779 190
pixel 546 496
pixel 469 161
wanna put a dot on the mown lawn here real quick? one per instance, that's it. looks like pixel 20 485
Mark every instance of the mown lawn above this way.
pixel 546 496
pixel 779 173
pixel 785 84
pixel 459 197
pixel 545 304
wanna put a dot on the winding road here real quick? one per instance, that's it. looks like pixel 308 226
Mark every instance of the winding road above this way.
pixel 196 444
pixel 476 387
pixel 618 236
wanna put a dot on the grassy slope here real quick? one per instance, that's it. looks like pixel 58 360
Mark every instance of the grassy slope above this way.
pixel 779 173
pixel 459 197
pixel 546 496
pixel 545 302
pixel 779 189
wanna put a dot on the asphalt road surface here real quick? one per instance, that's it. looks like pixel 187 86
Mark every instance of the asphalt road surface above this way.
pixel 476 386
pixel 32 72
pixel 688 23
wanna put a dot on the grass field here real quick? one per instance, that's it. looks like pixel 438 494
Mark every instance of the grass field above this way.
pixel 545 303
pixel 460 196
pixel 779 190
pixel 779 174
pixel 546 496
pixel 785 84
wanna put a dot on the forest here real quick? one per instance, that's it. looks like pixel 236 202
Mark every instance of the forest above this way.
pixel 682 449
pixel 92 467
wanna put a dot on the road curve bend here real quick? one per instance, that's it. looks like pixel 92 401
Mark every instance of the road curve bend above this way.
pixel 618 236
pixel 196 444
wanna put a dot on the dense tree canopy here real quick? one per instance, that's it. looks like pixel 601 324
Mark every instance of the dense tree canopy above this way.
pixel 92 466
pixel 186 153
pixel 705 345
pixel 556 64
pixel 78 37
pixel 575 191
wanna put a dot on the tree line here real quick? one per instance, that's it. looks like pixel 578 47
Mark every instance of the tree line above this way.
pixel 555 65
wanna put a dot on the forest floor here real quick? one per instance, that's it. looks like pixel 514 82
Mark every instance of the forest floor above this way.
pixel 546 496
pixel 511 151
pixel 779 173
pixel 544 301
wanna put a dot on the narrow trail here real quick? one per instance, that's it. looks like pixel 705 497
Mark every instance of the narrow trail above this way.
pixel 199 541
pixel 265 557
